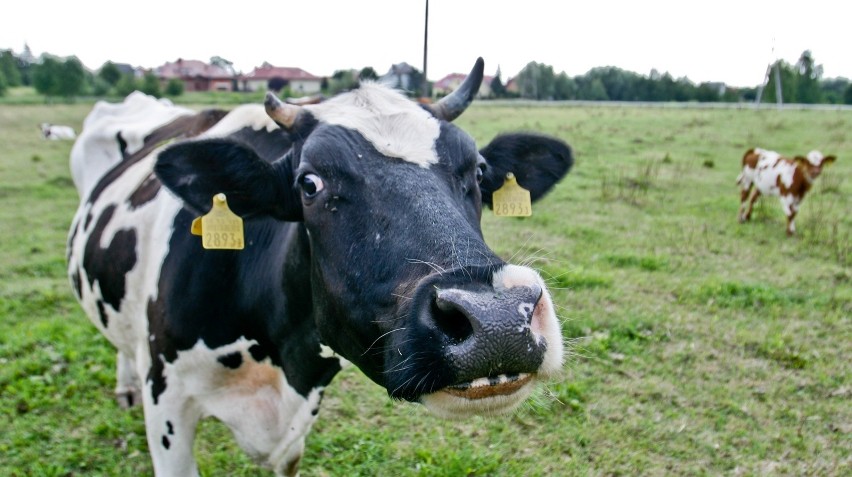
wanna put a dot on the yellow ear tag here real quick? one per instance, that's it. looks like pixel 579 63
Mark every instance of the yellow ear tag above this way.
pixel 511 200
pixel 220 229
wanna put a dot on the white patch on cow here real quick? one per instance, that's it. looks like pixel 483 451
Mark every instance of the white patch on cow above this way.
pixel 129 327
pixel 97 149
pixel 815 158
pixel 268 418
pixel 57 132
pixel 770 167
pixel 246 115
pixel 327 352
pixel 393 124
pixel 545 326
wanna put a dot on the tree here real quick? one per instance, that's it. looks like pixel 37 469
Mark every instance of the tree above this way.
pixel 46 76
pixel 9 68
pixel 564 87
pixel 847 96
pixel 535 81
pixel 342 80
pixel 224 64
pixel 174 87
pixel 367 73
pixel 276 84
pixel 807 80
pixel 3 84
pixel 498 89
pixel 73 78
pixel 151 85
pixel 126 85
pixel 110 73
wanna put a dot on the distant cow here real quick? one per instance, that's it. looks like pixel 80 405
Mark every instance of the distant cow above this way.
pixel 767 172
pixel 57 131
pixel 361 243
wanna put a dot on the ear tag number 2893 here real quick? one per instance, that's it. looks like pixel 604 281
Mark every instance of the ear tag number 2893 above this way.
pixel 511 200
pixel 220 229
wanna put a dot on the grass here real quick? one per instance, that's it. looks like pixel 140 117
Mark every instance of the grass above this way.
pixel 698 346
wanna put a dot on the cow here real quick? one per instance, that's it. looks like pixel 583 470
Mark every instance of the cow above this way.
pixel 767 172
pixel 57 132
pixel 361 245
pixel 113 131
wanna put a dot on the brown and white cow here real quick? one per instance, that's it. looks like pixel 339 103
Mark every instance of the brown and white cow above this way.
pixel 362 243
pixel 769 173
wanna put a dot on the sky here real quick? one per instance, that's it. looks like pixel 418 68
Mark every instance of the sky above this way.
pixel 723 40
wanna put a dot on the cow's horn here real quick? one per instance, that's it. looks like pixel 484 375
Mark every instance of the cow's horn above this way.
pixel 282 113
pixel 452 105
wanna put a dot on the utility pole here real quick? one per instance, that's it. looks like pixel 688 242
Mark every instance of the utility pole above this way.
pixel 779 100
pixel 425 85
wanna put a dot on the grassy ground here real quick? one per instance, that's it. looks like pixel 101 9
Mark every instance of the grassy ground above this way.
pixel 699 346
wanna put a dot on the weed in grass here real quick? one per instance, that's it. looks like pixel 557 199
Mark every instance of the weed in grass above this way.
pixel 647 263
pixel 728 294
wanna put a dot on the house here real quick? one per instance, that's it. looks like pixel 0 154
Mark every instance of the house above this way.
pixel 196 75
pixel 298 80
pixel 449 83
pixel 402 76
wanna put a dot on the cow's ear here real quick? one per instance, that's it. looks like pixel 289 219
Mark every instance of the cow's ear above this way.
pixel 197 170
pixel 538 162
pixel 829 159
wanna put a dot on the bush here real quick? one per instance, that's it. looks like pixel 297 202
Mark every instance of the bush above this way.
pixel 174 87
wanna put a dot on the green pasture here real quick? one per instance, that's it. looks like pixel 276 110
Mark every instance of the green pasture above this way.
pixel 698 346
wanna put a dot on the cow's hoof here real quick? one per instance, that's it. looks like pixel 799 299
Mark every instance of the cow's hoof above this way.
pixel 129 398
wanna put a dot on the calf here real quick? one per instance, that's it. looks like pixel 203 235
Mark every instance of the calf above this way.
pixel 767 172
pixel 361 243
pixel 57 131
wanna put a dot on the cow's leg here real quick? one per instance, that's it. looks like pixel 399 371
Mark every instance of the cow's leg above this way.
pixel 170 427
pixel 755 194
pixel 127 388
pixel 791 207
pixel 744 193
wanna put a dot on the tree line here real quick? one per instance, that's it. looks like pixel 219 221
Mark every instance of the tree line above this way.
pixel 801 82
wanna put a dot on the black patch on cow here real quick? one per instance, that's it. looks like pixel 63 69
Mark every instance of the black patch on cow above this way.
pixel 170 428
pixel 77 283
pixel 71 238
pixel 315 411
pixel 239 294
pixel 166 442
pixel 232 360
pixel 179 127
pixel 109 266
pixel 147 190
pixel 88 221
pixel 102 313
pixel 257 352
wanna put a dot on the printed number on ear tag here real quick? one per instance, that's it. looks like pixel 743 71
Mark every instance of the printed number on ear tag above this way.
pixel 511 200
pixel 220 229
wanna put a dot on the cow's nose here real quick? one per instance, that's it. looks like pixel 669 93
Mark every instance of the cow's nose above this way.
pixel 488 331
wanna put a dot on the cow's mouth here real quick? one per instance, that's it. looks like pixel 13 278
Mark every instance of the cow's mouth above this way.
pixel 502 385
pixel 484 396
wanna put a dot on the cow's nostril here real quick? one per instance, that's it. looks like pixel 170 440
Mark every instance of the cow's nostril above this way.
pixel 451 321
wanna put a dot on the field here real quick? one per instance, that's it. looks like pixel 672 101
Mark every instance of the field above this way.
pixel 698 346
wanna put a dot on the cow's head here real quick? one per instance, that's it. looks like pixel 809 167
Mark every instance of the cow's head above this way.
pixel 391 195
pixel 813 163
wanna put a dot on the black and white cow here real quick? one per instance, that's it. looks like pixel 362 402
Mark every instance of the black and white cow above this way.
pixel 362 243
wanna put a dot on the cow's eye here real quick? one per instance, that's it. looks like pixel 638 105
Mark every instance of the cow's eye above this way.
pixel 311 185
pixel 480 173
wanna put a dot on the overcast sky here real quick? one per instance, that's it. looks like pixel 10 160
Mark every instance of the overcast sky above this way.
pixel 724 40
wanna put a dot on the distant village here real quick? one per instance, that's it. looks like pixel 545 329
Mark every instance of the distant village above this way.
pixel 198 75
